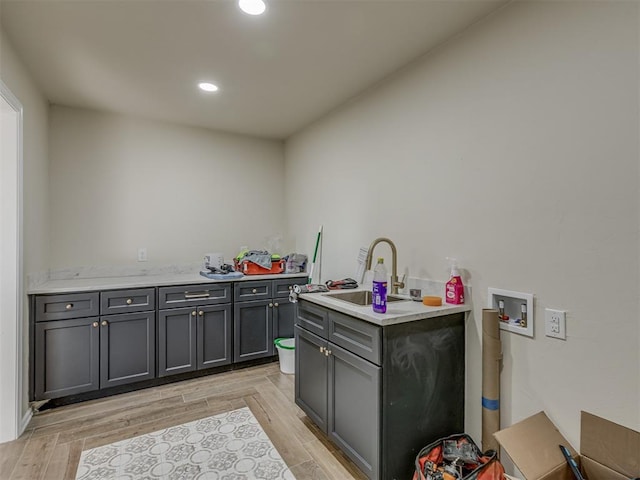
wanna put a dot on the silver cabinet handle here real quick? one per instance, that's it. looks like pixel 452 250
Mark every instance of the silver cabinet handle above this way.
pixel 321 349
pixel 275 304
pixel 193 314
pixel 129 301
pixel 69 306
pixel 94 324
pixel 254 291
pixel 104 323
pixel 271 305
pixel 201 313
pixel 196 295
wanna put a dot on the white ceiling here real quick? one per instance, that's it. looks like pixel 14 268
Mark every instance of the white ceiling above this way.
pixel 277 72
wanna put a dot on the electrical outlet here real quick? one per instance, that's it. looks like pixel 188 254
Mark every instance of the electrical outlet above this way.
pixel 142 254
pixel 555 323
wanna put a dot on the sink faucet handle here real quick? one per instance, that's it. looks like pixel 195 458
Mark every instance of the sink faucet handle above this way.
pixel 400 284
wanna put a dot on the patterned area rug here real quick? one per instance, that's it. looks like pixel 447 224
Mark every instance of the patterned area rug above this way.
pixel 229 446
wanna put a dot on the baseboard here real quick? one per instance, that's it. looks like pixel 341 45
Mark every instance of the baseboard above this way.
pixel 25 421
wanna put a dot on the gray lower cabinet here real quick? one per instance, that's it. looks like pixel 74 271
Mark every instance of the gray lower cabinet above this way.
pixel 262 312
pixel 354 408
pixel 380 393
pixel 340 392
pixel 284 315
pixel 86 341
pixel 127 348
pixel 252 330
pixel 312 373
pixel 67 355
pixel 197 335
pixel 176 341
pixel 284 312
pixel 91 340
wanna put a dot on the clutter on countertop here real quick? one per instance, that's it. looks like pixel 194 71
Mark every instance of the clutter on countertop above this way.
pixel 432 301
pixel 343 284
pixel 308 288
pixel 454 290
pixel 258 262
pixel 260 257
pixel 213 260
pixel 223 272
pixel 379 288
pixel 295 263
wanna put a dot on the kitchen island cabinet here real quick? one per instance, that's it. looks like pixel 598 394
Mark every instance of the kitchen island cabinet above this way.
pixel 380 392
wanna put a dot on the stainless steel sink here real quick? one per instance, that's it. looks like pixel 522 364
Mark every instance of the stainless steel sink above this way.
pixel 361 297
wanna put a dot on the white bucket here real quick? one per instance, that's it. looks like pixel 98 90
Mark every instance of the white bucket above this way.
pixel 287 354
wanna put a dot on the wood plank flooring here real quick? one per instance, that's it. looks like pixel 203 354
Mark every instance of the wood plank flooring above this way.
pixel 51 446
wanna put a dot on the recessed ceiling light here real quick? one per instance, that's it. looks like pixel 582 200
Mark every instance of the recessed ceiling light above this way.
pixel 208 87
pixel 252 7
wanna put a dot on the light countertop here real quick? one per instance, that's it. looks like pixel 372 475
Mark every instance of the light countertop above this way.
pixel 397 312
pixel 141 281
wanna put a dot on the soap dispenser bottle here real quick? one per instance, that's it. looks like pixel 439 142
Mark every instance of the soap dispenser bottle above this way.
pixel 454 289
pixel 379 290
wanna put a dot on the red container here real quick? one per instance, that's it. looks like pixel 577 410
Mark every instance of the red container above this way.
pixel 250 268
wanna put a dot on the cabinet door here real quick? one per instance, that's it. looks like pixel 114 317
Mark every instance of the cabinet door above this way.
pixel 354 408
pixel 127 348
pixel 252 330
pixel 176 341
pixel 284 315
pixel 66 359
pixel 311 376
pixel 214 336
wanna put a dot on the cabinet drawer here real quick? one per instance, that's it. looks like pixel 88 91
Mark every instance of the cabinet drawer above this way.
pixel 192 295
pixel 256 290
pixel 282 288
pixel 123 301
pixel 356 336
pixel 63 307
pixel 312 318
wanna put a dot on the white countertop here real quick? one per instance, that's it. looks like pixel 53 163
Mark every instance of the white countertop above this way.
pixel 141 281
pixel 397 312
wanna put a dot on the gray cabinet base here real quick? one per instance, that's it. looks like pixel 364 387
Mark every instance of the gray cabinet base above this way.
pixel 401 388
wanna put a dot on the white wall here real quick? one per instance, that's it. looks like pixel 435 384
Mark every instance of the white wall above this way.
pixel 120 183
pixel 513 147
pixel 35 173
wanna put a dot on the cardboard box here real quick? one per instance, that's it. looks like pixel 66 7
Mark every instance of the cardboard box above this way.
pixel 608 451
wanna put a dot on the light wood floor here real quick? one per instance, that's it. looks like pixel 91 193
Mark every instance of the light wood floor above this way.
pixel 51 446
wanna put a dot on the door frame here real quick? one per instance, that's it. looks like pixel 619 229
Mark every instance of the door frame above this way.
pixel 12 422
